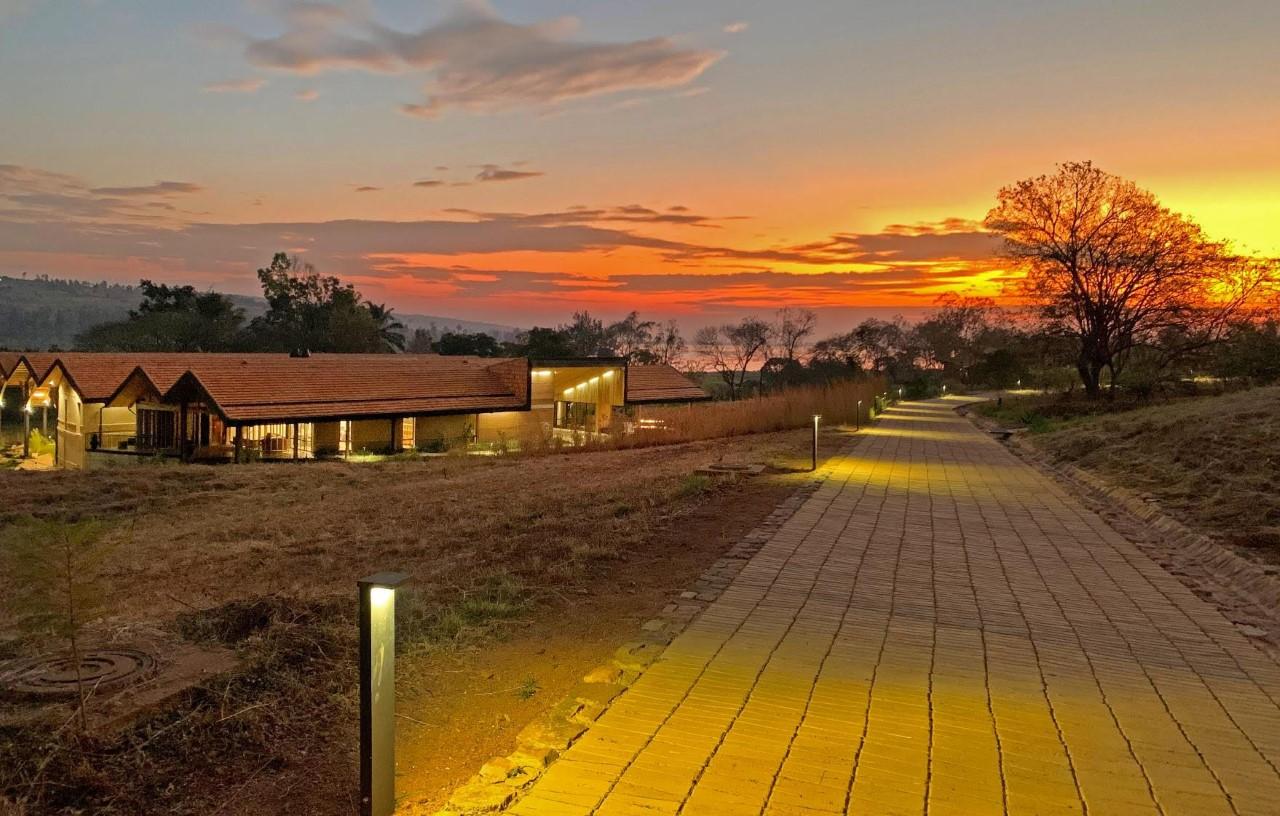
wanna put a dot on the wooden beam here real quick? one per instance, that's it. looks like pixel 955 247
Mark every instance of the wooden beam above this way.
pixel 239 443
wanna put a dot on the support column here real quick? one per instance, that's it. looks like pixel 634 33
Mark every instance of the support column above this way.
pixel 295 441
pixel 26 420
pixel 182 432
pixel 239 443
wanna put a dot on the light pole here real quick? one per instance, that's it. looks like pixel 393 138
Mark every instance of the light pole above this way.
pixel 857 417
pixel 378 692
pixel 817 418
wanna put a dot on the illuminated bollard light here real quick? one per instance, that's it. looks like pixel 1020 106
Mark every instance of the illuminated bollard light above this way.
pixel 817 418
pixel 378 692
pixel 857 417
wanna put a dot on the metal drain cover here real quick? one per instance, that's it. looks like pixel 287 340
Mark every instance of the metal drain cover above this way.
pixel 55 675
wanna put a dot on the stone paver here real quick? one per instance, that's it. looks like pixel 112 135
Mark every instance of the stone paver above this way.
pixel 939 629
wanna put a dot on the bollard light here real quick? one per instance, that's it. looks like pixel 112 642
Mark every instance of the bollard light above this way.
pixel 857 417
pixel 378 692
pixel 817 418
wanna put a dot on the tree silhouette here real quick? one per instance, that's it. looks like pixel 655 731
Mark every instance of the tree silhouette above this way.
pixel 1110 267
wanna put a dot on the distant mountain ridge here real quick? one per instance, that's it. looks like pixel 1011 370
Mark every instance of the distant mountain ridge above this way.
pixel 42 313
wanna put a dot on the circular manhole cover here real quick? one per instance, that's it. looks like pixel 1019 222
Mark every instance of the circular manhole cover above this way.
pixel 55 675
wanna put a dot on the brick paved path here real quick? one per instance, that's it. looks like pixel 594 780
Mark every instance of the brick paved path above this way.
pixel 939 629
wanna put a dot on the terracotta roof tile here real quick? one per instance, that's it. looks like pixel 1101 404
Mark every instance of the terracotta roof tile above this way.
pixel 353 385
pixel 660 383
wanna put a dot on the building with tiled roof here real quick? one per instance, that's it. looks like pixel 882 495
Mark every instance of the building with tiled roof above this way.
pixel 276 406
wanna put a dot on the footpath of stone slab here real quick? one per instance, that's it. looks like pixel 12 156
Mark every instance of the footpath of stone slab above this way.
pixel 939 628
pixel 501 780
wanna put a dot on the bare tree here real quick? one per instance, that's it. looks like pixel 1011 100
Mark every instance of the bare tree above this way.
pixel 732 348
pixel 57 570
pixel 961 333
pixel 790 331
pixel 1107 265
pixel 632 338
pixel 668 344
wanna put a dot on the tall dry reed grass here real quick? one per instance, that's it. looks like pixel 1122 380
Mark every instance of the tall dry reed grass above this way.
pixel 840 403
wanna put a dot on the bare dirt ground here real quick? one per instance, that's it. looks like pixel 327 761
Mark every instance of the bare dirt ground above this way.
pixel 526 573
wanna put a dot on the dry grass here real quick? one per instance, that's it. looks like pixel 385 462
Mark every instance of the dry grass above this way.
pixel 203 535
pixel 1214 461
pixel 263 558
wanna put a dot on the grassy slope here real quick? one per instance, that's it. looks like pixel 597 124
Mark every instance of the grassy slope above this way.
pixel 1214 462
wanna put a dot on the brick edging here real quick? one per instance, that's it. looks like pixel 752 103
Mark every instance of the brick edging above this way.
pixel 502 780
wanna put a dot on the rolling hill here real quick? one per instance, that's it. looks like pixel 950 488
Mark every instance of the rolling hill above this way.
pixel 44 313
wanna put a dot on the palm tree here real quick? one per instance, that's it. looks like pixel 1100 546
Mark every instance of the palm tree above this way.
pixel 390 330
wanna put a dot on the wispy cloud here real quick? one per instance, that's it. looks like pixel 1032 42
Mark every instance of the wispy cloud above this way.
pixel 160 188
pixel 477 60
pixel 492 172
pixel 429 183
pixel 365 188
pixel 309 95
pixel 30 194
pixel 249 85
pixel 737 28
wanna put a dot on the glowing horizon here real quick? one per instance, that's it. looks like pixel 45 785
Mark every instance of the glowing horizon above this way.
pixel 691 162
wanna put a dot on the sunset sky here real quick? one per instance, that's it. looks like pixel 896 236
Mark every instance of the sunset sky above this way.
pixel 513 161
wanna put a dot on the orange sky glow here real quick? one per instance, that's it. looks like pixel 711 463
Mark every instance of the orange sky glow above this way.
pixel 696 161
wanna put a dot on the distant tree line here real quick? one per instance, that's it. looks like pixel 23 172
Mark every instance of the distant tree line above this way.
pixel 305 311
pixel 640 341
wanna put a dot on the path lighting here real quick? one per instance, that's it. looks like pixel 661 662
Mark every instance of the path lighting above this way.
pixel 857 417
pixel 899 392
pixel 378 692
pixel 817 418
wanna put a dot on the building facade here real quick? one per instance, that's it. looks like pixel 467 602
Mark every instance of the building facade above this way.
pixel 113 408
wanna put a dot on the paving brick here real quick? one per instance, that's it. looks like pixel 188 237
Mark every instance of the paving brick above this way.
pixel 936 628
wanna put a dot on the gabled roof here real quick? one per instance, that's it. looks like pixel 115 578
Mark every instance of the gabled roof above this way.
pixel 32 363
pixel 660 383
pixel 99 376
pixel 8 360
pixel 334 386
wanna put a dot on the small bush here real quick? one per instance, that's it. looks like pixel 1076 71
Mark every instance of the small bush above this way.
pixel 695 484
pixel 41 445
